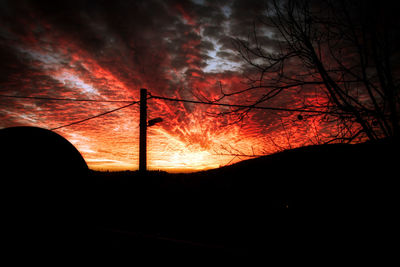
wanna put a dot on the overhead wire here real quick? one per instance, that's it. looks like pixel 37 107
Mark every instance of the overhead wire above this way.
pixel 96 116
pixel 244 106
pixel 161 98
pixel 150 96
pixel 178 100
pixel 77 100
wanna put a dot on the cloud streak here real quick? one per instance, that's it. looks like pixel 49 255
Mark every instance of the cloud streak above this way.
pixel 108 50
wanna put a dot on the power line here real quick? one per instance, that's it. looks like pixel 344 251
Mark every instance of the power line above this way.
pixel 161 98
pixel 244 106
pixel 65 99
pixel 96 116
pixel 177 100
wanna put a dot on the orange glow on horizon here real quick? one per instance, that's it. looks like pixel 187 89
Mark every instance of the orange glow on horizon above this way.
pixel 171 61
pixel 185 141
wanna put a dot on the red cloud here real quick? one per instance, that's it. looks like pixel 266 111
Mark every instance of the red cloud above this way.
pixel 105 62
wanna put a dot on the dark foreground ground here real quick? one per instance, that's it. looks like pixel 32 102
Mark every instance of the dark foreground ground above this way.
pixel 240 209
pixel 235 212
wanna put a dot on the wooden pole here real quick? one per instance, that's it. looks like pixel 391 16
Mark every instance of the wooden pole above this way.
pixel 143 131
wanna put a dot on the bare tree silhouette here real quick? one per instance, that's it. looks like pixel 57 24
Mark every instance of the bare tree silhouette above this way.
pixel 343 51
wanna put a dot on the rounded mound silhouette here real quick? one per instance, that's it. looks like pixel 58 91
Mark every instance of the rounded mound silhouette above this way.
pixel 39 151
pixel 46 185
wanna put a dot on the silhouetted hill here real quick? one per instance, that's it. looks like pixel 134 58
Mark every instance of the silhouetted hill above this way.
pixel 44 189
pixel 224 212
pixel 335 174
pixel 328 176
pixel 33 149
pixel 229 207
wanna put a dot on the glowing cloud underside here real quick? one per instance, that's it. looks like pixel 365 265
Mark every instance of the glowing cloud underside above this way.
pixel 178 52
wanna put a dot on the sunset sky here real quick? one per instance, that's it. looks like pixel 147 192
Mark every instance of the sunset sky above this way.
pixel 108 50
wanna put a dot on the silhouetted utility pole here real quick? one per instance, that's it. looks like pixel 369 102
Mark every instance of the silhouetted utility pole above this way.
pixel 143 131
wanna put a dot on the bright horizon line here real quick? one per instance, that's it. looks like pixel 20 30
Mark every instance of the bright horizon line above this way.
pixel 168 170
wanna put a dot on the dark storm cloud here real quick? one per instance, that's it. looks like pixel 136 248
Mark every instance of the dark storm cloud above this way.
pixel 206 45
pixel 133 31
pixel 101 30
pixel 11 63
pixel 243 16
pixel 211 13
pixel 140 43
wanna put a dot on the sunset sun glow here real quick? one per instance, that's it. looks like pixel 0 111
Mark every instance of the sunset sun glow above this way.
pixel 82 50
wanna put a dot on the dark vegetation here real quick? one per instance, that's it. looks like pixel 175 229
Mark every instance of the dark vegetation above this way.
pixel 223 212
pixel 344 51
